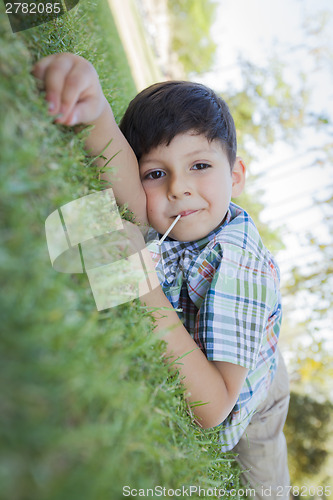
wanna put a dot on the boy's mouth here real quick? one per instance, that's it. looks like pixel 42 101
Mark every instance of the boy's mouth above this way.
pixel 186 212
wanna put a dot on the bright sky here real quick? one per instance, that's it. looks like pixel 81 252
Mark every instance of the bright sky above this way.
pixel 258 29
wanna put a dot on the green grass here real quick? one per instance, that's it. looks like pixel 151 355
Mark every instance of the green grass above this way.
pixel 87 404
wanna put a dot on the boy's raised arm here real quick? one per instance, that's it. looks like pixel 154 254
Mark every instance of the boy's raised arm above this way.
pixel 124 176
pixel 74 97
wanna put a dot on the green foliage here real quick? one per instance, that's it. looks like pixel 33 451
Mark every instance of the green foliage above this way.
pixel 88 404
pixel 190 22
pixel 267 108
pixel 252 204
pixel 308 431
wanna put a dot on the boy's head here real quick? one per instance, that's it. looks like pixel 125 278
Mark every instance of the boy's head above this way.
pixel 164 110
pixel 184 138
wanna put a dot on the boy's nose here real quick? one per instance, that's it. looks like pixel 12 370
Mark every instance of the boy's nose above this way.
pixel 178 188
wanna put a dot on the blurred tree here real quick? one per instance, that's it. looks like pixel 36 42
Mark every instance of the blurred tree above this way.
pixel 308 436
pixel 267 108
pixel 190 22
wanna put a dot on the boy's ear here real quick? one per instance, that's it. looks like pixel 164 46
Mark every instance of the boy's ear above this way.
pixel 238 177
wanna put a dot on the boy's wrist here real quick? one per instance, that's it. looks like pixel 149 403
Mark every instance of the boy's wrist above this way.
pixel 103 125
pixel 105 114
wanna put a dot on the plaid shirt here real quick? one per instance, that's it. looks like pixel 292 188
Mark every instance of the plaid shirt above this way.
pixel 226 286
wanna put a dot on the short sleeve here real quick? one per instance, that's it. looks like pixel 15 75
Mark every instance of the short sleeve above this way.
pixel 235 312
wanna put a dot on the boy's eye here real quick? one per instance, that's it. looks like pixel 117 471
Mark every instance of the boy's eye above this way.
pixel 201 166
pixel 156 174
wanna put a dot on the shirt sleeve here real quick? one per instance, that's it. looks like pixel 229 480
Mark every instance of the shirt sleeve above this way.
pixel 233 317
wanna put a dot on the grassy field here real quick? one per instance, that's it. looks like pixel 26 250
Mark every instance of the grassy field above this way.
pixel 88 405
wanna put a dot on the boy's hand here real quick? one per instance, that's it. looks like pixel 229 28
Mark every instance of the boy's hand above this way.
pixel 73 91
pixel 74 96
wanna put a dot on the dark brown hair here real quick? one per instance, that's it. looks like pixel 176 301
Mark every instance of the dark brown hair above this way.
pixel 163 110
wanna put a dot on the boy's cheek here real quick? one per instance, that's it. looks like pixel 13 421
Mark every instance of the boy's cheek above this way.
pixel 155 206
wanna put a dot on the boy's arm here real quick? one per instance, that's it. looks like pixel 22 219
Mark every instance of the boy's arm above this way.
pixel 124 172
pixel 74 96
pixel 215 383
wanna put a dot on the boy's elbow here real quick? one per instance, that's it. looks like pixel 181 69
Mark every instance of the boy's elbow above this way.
pixel 211 425
pixel 211 418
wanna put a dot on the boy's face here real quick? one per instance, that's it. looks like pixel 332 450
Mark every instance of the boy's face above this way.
pixel 190 177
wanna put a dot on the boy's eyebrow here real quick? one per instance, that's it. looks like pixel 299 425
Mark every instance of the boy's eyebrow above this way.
pixel 191 153
pixel 201 151
pixel 149 160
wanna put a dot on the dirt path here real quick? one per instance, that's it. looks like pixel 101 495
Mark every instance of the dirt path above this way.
pixel 140 56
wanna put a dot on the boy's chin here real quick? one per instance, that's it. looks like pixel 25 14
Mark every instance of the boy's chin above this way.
pixel 187 236
pixel 190 228
pixel 193 234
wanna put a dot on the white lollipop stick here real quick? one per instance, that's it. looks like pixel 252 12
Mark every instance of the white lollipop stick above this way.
pixel 169 229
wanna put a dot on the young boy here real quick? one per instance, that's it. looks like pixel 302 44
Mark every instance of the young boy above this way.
pixel 176 149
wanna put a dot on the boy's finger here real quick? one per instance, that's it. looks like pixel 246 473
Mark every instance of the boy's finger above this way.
pixel 40 67
pixel 76 84
pixel 55 77
pixel 49 70
pixel 85 111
